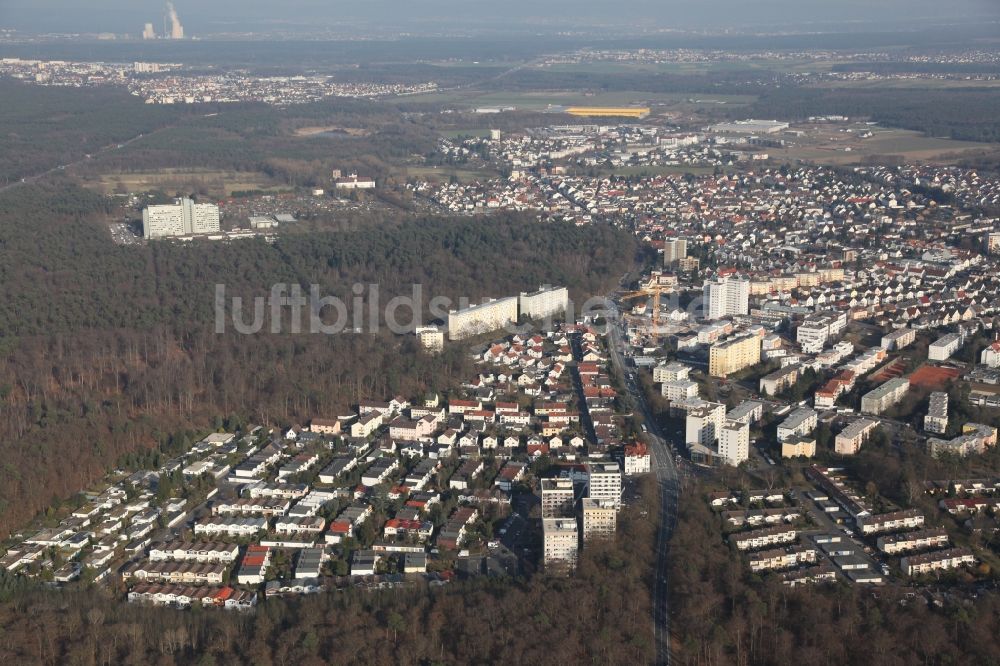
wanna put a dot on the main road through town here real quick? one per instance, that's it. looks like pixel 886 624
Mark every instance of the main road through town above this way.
pixel 666 474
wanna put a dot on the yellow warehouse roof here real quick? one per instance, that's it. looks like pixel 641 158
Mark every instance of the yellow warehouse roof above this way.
pixel 632 111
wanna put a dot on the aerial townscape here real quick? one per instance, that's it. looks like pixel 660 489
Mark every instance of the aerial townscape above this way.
pixel 428 333
pixel 398 488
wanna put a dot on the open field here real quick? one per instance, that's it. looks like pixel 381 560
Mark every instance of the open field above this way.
pixel 332 129
pixel 834 147
pixel 480 132
pixel 917 146
pixel 613 67
pixel 216 182
pixel 540 100
pixel 444 173
pixel 703 67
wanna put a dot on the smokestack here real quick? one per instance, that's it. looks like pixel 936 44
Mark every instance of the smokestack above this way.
pixel 176 29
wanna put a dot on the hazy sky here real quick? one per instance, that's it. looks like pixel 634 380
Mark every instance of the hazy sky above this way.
pixel 205 16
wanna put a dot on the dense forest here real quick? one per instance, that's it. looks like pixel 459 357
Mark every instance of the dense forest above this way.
pixel 105 348
pixel 45 127
pixel 599 615
pixel 260 138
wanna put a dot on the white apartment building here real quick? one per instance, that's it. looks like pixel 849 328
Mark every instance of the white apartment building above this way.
pixel 901 338
pixel 177 572
pixel 231 527
pixel 816 330
pixel 203 551
pixel 674 249
pixel 366 425
pixel 557 498
pixel 800 422
pixel 430 338
pixel 761 538
pixel 604 482
pixel 671 372
pixel 545 302
pixel 681 389
pixel 704 424
pixel 975 438
pixel 866 361
pixel 726 297
pixel 850 439
pixel 942 348
pixel 935 537
pixel 885 396
pixel 560 542
pixel 600 518
pixel 991 356
pixel 354 182
pixel 300 526
pixel 734 442
pixel 812 337
pixel 748 412
pixel 183 218
pixel 380 470
pixel 939 560
pixel 770 560
pixel 482 318
pixel 936 420
pixel 779 380
pixel 907 519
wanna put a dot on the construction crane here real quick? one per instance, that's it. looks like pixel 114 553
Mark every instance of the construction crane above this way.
pixel 632 295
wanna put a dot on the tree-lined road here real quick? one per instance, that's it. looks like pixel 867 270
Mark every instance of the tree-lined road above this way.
pixel 666 473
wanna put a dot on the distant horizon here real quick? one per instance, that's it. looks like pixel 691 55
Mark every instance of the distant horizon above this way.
pixel 127 17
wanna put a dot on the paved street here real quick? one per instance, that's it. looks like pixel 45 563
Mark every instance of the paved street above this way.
pixel 666 473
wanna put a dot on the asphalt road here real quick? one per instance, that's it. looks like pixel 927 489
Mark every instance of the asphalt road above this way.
pixel 662 460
